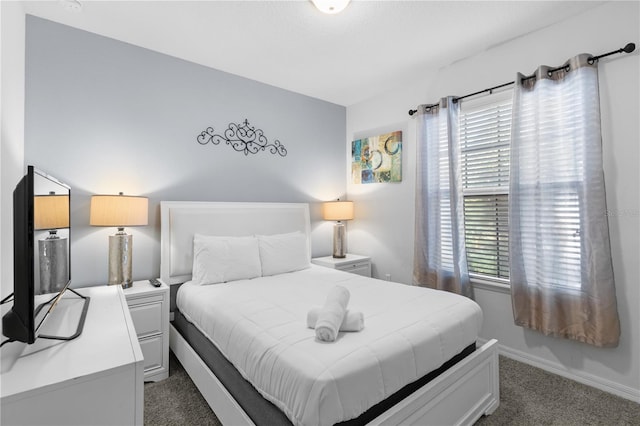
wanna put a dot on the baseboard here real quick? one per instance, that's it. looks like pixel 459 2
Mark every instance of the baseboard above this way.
pixel 580 377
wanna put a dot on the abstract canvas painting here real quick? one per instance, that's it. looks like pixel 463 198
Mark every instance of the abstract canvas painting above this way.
pixel 377 159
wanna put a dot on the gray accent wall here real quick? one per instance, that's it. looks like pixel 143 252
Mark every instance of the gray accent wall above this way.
pixel 105 116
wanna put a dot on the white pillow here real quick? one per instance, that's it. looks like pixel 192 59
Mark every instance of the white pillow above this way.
pixel 282 253
pixel 222 259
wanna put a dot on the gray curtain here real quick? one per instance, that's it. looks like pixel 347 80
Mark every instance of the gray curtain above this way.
pixel 560 259
pixel 440 259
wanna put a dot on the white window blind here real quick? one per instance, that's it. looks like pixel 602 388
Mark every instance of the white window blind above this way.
pixel 485 132
pixel 446 243
pixel 551 231
pixel 553 163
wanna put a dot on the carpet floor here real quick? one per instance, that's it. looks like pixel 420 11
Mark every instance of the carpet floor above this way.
pixel 528 396
pixel 531 396
pixel 176 401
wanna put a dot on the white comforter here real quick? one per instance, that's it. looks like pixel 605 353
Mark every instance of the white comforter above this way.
pixel 260 326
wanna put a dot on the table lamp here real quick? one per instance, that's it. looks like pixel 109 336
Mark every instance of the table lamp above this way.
pixel 119 211
pixel 51 212
pixel 338 211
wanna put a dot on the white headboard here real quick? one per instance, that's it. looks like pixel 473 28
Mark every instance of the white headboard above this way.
pixel 180 220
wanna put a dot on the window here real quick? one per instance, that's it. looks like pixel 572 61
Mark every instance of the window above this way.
pixel 485 138
pixel 552 253
pixel 556 149
pixel 485 132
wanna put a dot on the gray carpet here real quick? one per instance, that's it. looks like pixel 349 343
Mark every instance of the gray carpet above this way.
pixel 528 396
pixel 176 400
pixel 531 396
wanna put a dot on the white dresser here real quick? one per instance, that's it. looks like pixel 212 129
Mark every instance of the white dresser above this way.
pixel 94 379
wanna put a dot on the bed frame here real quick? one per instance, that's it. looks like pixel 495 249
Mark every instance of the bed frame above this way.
pixel 459 396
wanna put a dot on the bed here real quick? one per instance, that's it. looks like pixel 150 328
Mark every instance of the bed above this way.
pixel 256 362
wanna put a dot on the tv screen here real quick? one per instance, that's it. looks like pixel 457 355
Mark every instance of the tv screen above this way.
pixel 41 252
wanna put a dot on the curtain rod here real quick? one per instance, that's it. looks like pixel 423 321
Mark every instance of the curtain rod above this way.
pixel 630 47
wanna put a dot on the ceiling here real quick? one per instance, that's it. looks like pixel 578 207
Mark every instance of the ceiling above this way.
pixel 368 49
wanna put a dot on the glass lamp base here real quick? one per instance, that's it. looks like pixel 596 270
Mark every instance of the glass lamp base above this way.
pixel 120 251
pixel 339 241
pixel 54 265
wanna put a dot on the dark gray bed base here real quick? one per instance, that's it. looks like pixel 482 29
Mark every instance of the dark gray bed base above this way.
pixel 263 412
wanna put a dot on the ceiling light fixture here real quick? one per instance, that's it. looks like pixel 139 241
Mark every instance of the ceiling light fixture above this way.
pixel 71 5
pixel 330 6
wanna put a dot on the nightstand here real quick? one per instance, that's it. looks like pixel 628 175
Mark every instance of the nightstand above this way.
pixel 353 263
pixel 149 307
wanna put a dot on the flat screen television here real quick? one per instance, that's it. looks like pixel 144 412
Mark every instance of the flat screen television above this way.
pixel 41 256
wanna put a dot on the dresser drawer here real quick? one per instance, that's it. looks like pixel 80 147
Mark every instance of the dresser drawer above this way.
pixel 364 270
pixel 149 309
pixel 354 265
pixel 152 352
pixel 147 318
pixel 360 268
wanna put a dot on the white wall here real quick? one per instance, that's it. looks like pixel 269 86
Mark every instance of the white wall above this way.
pixel 105 116
pixel 383 227
pixel 12 41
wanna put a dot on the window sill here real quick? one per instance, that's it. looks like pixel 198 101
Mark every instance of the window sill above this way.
pixel 479 283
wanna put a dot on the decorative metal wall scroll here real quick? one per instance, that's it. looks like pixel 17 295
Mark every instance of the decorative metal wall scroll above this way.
pixel 243 138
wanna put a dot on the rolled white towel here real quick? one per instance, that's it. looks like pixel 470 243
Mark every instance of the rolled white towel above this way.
pixel 332 314
pixel 353 320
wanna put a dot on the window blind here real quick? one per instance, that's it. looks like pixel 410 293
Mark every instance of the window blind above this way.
pixel 553 181
pixel 446 242
pixel 553 233
pixel 485 133
pixel 487 234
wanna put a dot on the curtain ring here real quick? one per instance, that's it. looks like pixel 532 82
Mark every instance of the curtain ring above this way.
pixel 591 60
pixel 567 68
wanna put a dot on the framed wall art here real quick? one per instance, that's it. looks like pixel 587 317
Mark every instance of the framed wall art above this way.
pixel 377 159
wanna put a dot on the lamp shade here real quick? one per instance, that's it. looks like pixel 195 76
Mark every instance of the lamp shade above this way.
pixel 119 210
pixel 51 211
pixel 337 210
